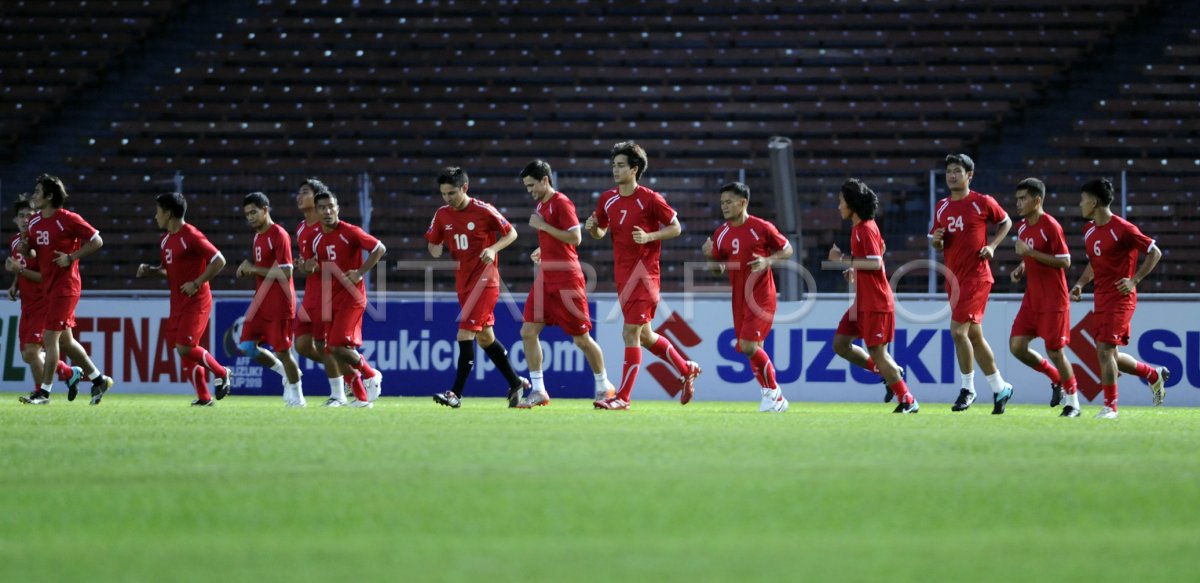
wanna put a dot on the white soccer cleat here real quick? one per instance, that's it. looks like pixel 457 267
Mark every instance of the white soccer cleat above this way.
pixel 374 386
pixel 334 402
pixel 1107 413
pixel 362 405
pixel 772 401
pixel 608 391
pixel 1158 388
pixel 535 399
pixel 289 396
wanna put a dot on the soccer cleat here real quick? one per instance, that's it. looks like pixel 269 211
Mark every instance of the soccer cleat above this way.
pixel 100 386
pixel 448 399
pixel 609 391
pixel 374 386
pixel 1157 390
pixel 887 391
pixel 73 383
pixel 772 401
pixel 999 400
pixel 964 400
pixel 1069 411
pixel 514 393
pixel 222 385
pixel 289 396
pixel 299 403
pixel 535 399
pixel 202 403
pixel 37 397
pixel 1056 394
pixel 908 408
pixel 1107 413
pixel 334 402
pixel 613 404
pixel 689 383
pixel 362 405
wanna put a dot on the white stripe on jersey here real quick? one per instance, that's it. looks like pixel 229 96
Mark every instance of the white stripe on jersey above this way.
pixel 942 208
pixel 1089 232
pixel 756 237
pixel 721 234
pixel 1044 237
pixel 976 208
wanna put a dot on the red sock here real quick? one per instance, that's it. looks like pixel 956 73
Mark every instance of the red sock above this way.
pixel 1048 369
pixel 355 382
pixel 901 391
pixel 64 371
pixel 364 367
pixel 664 350
pixel 198 377
pixel 207 360
pixel 1070 386
pixel 871 365
pixel 1110 395
pixel 763 369
pixel 629 372
pixel 1147 372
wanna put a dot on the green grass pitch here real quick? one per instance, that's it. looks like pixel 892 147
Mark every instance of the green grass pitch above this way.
pixel 146 488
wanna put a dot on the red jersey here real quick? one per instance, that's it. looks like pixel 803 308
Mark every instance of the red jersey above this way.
pixel 966 223
pixel 1112 250
pixel 343 248
pixel 563 259
pixel 1045 287
pixel 274 247
pixel 305 235
pixel 621 214
pixel 63 231
pixel 31 291
pixel 872 292
pixel 185 255
pixel 737 246
pixel 466 233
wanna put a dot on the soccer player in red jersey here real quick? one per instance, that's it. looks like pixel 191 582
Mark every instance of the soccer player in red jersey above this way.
pixel 744 248
pixel 469 227
pixel 189 262
pixel 339 248
pixel 270 318
pixel 58 239
pixel 960 227
pixel 1045 310
pixel 1112 245
pixel 640 220
pixel 559 296
pixel 27 285
pixel 872 317
pixel 310 327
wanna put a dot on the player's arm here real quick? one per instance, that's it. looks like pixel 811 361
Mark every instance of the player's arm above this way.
pixel 840 261
pixel 372 259
pixel 488 255
pixel 1084 280
pixel 1056 261
pixel 147 270
pixel 570 236
pixel 91 246
pixel 593 227
pixel 14 267
pixel 215 265
pixel 760 263
pixel 674 229
pixel 1001 232
pixel 1128 285
pixel 709 250
pixel 277 272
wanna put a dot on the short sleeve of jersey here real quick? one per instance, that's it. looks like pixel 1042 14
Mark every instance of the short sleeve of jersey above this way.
pixel 1058 241
pixel 563 214
pixel 365 240
pixel 1134 237
pixel 937 218
pixel 204 248
pixel 663 213
pixel 79 228
pixel 775 240
pixel 716 236
pixel 435 233
pixel 995 212
pixel 283 247
pixel 497 222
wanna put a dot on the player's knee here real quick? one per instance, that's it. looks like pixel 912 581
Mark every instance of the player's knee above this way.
pixel 30 352
pixel 841 345
pixel 529 332
pixel 747 348
pixel 1017 346
pixel 183 349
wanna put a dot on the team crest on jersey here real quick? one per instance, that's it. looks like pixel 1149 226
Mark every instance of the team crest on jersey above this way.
pixel 471 226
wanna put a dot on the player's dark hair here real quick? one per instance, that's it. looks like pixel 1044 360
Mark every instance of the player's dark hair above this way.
pixel 860 198
pixel 962 160
pixel 1101 188
pixel 739 189
pixel 172 202
pixel 634 153
pixel 537 170
pixel 454 176
pixel 324 194
pixel 1033 186
pixel 21 204
pixel 315 185
pixel 257 199
pixel 53 188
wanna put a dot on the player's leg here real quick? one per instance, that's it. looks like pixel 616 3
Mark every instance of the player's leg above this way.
pixel 530 339
pixel 965 355
pixel 890 371
pixel 631 334
pixel 1155 376
pixel 31 354
pixel 190 331
pixel 335 376
pixel 1001 389
pixel 603 387
pixel 772 400
pixel 1106 354
pixel 496 353
pixel 848 329
pixel 661 347
pixel 1070 387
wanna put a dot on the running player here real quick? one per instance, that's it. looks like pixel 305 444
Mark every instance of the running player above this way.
pixel 310 322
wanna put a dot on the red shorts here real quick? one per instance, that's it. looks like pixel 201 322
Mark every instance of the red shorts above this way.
pixel 565 307
pixel 1053 327
pixel 60 312
pixel 33 323
pixel 1112 326
pixel 480 313
pixel 277 333
pixel 875 328
pixel 638 308
pixel 346 327
pixel 187 326
pixel 753 323
pixel 972 301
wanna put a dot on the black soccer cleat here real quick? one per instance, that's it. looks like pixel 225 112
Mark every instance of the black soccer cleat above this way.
pixel 99 387
pixel 202 403
pixel 73 383
pixel 908 408
pixel 36 397
pixel 1056 394
pixel 448 399
pixel 514 393
pixel 999 400
pixel 222 385
pixel 964 400
pixel 1069 411
pixel 887 391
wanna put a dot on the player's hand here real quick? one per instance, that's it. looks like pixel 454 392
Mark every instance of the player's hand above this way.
pixel 848 275
pixel 760 263
pixel 62 259
pixel 536 256
pixel 12 292
pixel 1017 273
pixel 987 252
pixel 835 253
pixel 640 237
pixel 189 289
pixel 707 248
pixel 144 269
pixel 243 269
pixel 354 276
pixel 488 256
pixel 1022 248
pixel 11 265
pixel 591 223
pixel 1076 293
pixel 1126 286
pixel 536 221
pixel 939 238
